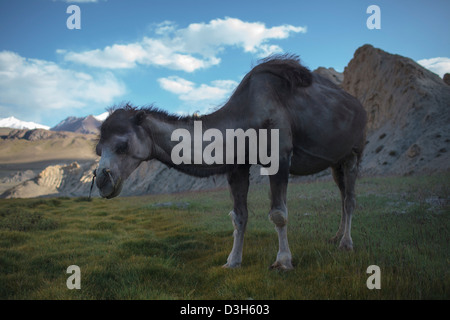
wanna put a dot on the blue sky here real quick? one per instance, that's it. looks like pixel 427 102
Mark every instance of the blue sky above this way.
pixel 188 56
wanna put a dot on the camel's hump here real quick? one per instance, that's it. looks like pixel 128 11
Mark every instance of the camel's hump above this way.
pixel 287 67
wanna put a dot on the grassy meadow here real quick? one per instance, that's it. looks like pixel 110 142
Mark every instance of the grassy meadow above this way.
pixel 173 246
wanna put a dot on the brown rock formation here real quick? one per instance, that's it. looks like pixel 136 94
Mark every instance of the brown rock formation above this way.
pixel 408 112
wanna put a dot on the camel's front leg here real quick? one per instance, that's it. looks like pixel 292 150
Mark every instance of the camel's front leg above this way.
pixel 279 215
pixel 239 182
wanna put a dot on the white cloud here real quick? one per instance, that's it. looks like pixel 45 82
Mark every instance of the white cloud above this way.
pixel 147 52
pixel 111 57
pixel 32 87
pixel 187 49
pixel 440 65
pixel 203 96
pixel 176 85
pixel 218 91
pixel 250 36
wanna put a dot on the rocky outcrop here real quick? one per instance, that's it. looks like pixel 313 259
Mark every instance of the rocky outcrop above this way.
pixel 408 112
pixel 56 180
pixel 331 74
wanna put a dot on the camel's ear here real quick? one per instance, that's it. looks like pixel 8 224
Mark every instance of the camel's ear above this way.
pixel 139 117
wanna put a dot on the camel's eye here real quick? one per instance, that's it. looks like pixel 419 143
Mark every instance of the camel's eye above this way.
pixel 122 148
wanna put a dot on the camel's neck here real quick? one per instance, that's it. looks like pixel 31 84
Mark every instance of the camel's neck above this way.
pixel 180 143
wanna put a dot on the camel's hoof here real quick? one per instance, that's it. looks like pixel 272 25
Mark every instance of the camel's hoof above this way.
pixel 346 245
pixel 231 265
pixel 281 266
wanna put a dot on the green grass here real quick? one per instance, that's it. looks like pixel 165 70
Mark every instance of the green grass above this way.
pixel 173 246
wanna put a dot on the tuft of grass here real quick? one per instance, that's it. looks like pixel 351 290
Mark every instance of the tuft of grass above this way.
pixel 173 246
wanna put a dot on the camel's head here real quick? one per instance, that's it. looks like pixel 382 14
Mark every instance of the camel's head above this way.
pixel 122 146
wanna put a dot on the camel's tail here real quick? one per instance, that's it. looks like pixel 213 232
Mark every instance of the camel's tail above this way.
pixel 359 151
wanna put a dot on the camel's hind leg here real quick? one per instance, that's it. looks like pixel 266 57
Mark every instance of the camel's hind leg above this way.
pixel 338 176
pixel 345 177
pixel 279 215
pixel 238 180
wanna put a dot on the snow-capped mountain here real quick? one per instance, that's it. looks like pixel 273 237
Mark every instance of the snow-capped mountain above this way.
pixel 102 117
pixel 88 125
pixel 14 123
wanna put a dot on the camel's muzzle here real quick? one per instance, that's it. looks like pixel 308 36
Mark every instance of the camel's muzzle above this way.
pixel 108 185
